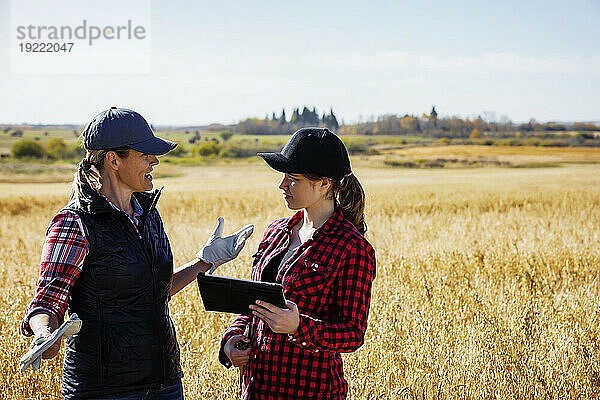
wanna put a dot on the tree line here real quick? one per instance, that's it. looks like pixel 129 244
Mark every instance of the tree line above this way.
pixel 277 125
pixel 394 124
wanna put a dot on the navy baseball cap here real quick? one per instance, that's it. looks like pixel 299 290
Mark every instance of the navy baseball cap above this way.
pixel 312 150
pixel 121 127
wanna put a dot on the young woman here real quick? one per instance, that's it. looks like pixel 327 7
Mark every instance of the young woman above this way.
pixel 107 258
pixel 326 267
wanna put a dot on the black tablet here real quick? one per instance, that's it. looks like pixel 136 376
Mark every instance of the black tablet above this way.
pixel 235 295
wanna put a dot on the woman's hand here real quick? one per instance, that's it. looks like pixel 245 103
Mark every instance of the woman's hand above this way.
pixel 234 349
pixel 43 324
pixel 280 320
pixel 52 350
pixel 218 250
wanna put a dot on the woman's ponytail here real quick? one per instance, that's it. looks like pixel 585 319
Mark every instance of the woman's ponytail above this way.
pixel 350 196
pixel 88 170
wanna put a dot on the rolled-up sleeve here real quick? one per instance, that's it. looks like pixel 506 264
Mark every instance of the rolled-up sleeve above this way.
pixel 62 258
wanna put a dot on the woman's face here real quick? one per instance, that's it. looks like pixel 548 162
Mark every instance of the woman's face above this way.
pixel 135 170
pixel 300 192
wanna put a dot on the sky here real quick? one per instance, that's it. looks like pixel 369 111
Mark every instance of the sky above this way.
pixel 229 60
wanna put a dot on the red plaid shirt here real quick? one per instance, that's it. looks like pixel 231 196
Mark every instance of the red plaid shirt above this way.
pixel 329 277
pixel 62 258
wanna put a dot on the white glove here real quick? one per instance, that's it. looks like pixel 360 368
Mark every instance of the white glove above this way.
pixel 33 358
pixel 218 250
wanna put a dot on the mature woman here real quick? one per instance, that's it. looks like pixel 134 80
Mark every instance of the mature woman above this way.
pixel 326 267
pixel 107 258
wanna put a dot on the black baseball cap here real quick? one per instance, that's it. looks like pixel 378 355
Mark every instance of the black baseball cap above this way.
pixel 121 127
pixel 314 151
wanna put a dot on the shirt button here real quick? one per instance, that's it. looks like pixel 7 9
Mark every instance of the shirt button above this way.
pixel 303 343
pixel 317 350
pixel 255 356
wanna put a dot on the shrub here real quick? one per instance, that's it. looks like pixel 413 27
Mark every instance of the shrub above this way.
pixel 475 134
pixel 27 148
pixel 507 142
pixel 443 140
pixel 206 149
pixel 57 149
pixel 226 135
pixel 246 148
pixel 532 141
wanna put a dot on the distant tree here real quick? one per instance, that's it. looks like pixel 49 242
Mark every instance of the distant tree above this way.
pixel 282 119
pixel 475 134
pixel 332 121
pixel 57 149
pixel 45 133
pixel 433 114
pixel 295 115
pixel 433 117
pixel 194 138
pixel 226 135
pixel 17 133
pixel 409 124
pixel 273 117
pixel 27 148
pixel 75 133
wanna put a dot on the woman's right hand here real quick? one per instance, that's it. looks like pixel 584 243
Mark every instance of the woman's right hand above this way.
pixel 233 350
pixel 52 350
pixel 43 324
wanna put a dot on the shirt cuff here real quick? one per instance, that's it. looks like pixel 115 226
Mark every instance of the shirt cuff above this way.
pixel 303 336
pixel 40 308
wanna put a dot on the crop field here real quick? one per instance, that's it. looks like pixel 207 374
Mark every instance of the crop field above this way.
pixel 488 279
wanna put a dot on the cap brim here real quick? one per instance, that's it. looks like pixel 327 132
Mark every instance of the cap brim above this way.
pixel 155 146
pixel 280 163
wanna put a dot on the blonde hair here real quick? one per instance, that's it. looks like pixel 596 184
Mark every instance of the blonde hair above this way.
pixel 90 168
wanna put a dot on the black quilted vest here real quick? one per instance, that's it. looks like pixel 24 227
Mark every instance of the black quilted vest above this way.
pixel 127 340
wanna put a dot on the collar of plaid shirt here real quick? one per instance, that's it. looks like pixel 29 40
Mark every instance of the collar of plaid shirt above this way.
pixel 137 209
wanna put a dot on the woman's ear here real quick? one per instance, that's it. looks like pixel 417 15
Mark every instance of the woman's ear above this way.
pixel 111 160
pixel 325 185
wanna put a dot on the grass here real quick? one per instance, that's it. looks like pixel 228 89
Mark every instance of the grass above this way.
pixel 487 279
pixel 469 156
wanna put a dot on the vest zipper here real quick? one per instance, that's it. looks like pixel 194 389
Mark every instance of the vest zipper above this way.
pixel 139 233
pixel 162 341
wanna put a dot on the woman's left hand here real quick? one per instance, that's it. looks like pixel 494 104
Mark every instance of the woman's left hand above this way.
pixel 280 320
pixel 219 250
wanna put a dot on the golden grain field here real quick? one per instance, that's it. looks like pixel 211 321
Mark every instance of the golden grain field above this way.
pixel 487 282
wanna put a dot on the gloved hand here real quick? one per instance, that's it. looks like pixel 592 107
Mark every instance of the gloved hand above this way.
pixel 33 358
pixel 218 250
